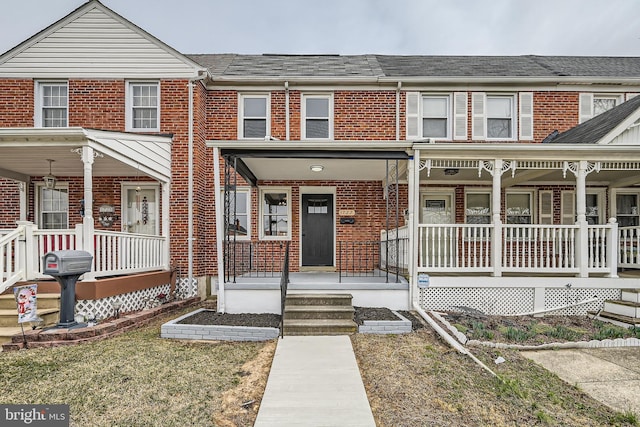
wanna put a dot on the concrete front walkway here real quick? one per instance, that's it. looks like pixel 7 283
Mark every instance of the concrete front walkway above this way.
pixel 314 381
pixel 609 375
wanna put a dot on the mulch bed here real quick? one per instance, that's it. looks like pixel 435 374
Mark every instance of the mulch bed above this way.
pixel 210 317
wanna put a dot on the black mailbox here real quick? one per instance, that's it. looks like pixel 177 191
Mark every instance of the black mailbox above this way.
pixel 66 267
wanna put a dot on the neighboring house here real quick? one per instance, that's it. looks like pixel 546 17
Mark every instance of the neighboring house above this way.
pixel 505 184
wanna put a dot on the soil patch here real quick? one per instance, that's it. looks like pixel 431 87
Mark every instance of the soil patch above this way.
pixel 530 330
pixel 382 313
pixel 210 317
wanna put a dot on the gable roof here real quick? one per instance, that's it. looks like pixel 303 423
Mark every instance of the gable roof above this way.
pixel 602 128
pixel 94 41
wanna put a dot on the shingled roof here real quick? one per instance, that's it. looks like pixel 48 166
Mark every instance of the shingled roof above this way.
pixel 593 130
pixel 390 66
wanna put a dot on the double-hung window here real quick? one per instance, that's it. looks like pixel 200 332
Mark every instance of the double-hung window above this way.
pixel 143 106
pixel 500 114
pixel 52 104
pixel 239 221
pixel 53 207
pixel 275 213
pixel 317 116
pixel 435 116
pixel 253 116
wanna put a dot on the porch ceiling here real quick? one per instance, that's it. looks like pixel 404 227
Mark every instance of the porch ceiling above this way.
pixel 24 153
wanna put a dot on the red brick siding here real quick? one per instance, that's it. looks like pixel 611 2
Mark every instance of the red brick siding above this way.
pixel 364 115
pixel 9 203
pixel 97 104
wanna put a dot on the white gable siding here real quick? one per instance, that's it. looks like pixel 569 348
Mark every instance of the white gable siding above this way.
pixel 630 136
pixel 95 45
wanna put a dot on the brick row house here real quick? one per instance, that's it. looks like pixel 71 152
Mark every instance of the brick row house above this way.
pixel 505 184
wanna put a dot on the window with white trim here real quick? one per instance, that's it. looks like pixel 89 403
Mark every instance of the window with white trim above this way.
pixel 519 207
pixel 253 116
pixel 594 205
pixel 239 224
pixel 275 213
pixel 317 116
pixel 143 106
pixel 53 207
pixel 478 207
pixel 436 116
pixel 52 104
pixel 593 104
pixel 500 114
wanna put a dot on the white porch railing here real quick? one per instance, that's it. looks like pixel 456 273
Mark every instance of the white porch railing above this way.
pixel 122 253
pixel 629 247
pixel 531 248
pixel 22 250
pixel 454 247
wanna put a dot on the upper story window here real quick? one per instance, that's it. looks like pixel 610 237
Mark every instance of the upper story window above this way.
pixel 254 116
pixel 317 116
pixel 593 104
pixel 52 104
pixel 435 116
pixel 143 106
pixel 500 113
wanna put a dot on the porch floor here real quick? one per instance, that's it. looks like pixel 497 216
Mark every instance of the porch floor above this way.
pixel 322 280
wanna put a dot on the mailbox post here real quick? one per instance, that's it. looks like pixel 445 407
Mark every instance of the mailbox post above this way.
pixel 66 267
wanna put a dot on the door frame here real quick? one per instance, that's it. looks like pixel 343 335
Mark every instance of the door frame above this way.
pixel 316 190
pixel 144 185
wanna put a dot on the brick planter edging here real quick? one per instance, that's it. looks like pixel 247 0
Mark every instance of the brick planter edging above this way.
pixel 400 326
pixel 185 331
pixel 607 343
pixel 40 338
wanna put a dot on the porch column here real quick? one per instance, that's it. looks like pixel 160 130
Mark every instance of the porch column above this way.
pixel 413 183
pixel 496 202
pixel 24 207
pixel 165 187
pixel 582 239
pixel 220 226
pixel 87 220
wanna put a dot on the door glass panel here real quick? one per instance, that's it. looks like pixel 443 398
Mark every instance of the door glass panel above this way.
pixel 436 210
pixel 141 211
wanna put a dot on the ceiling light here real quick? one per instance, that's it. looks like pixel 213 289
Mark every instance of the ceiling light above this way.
pixel 451 171
pixel 50 180
pixel 317 168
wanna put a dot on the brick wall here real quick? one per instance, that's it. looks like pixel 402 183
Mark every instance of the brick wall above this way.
pixel 9 203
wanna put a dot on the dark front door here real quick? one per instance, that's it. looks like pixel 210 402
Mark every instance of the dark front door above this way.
pixel 317 229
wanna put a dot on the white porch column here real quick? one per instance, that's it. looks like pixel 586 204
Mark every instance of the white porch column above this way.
pixel 166 225
pixel 582 239
pixel 496 202
pixel 87 220
pixel 413 182
pixel 219 228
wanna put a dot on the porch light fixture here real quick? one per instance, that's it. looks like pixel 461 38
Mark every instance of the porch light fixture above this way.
pixel 451 171
pixel 317 168
pixel 50 180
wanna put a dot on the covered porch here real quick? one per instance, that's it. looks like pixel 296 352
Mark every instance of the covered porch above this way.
pixel 116 184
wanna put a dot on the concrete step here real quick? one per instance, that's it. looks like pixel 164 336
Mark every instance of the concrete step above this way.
pixel 318 299
pixel 319 312
pixel 622 308
pixel 8 301
pixel 617 319
pixel 319 327
pixel 631 295
pixel 7 332
pixel 9 318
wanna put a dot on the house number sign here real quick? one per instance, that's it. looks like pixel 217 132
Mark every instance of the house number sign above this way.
pixel 347 212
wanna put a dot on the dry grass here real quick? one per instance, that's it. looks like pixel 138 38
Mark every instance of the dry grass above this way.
pixel 417 380
pixel 140 379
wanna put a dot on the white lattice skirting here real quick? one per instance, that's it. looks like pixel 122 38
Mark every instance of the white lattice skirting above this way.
pixel 133 301
pixel 503 301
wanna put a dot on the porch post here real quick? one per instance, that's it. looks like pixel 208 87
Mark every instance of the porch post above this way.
pixel 220 233
pixel 166 192
pixel 412 258
pixel 582 239
pixel 22 186
pixel 87 220
pixel 496 235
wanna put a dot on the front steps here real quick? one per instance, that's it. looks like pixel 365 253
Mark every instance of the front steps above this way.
pixel 319 314
pixel 625 311
pixel 48 309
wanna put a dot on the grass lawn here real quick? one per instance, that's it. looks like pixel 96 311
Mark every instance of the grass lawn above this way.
pixel 140 379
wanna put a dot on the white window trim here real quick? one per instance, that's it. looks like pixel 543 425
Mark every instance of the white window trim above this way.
pixel 514 115
pixel 264 190
pixel 479 190
pixel 267 98
pixel 436 193
pixel 249 193
pixel 449 127
pixel 37 116
pixel 144 185
pixel 38 212
pixel 303 115
pixel 613 203
pixel 586 103
pixel 533 208
pixel 129 106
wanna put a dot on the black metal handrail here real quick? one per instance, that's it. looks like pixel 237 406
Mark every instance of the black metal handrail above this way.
pixel 284 282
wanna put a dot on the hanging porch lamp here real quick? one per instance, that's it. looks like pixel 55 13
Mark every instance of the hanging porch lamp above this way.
pixel 50 180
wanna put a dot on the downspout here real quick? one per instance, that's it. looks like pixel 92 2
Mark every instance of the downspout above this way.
pixel 398 111
pixel 286 110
